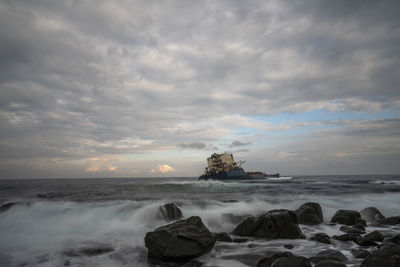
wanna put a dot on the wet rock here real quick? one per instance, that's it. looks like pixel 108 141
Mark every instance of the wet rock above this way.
pixel 309 213
pixel 360 253
pixel 322 238
pixel 330 263
pixel 351 230
pixel 268 261
pixel 347 237
pixel 347 217
pixel 393 239
pixel 371 214
pixel 170 212
pixel 292 261
pixel 192 264
pixel 391 220
pixel 274 224
pixel 365 242
pixel 180 241
pixel 288 246
pixel 374 236
pixel 329 254
pixel 222 237
pixel 88 250
pixel 359 226
pixel 387 255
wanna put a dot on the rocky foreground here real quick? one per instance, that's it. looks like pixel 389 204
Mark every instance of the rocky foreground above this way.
pixel 181 242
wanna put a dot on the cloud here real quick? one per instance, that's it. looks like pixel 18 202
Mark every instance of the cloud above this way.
pixel 193 145
pixel 162 168
pixel 237 143
pixel 102 165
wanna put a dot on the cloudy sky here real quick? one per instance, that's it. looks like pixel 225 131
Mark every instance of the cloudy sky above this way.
pixel 151 88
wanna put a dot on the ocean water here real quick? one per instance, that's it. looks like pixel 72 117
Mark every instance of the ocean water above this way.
pixel 57 217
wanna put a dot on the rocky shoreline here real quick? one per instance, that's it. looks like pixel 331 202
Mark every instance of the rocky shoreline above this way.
pixel 183 241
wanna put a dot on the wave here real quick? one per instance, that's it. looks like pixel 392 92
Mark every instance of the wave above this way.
pixel 396 182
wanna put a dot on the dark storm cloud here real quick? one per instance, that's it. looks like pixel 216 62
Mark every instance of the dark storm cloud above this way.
pixel 94 78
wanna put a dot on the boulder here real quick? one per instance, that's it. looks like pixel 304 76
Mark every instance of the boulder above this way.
pixel 361 241
pixel 387 255
pixel 374 236
pixel 371 214
pixel 310 213
pixel 330 263
pixel 359 226
pixel 347 237
pixel 180 241
pixel 391 220
pixel 291 261
pixel 393 239
pixel 275 224
pixel 351 230
pixel 347 217
pixel 360 253
pixel 223 237
pixel 192 264
pixel 322 238
pixel 268 261
pixel 329 254
pixel 170 212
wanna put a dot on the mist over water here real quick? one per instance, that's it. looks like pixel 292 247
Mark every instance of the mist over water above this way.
pixel 56 217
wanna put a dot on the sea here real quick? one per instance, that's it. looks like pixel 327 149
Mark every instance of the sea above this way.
pixel 54 219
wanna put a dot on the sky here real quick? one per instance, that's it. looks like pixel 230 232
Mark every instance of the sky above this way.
pixel 152 88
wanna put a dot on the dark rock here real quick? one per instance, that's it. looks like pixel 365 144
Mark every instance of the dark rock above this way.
pixel 223 237
pixel 393 239
pixel 330 263
pixel 347 237
pixel 292 261
pixel 371 214
pixel 192 264
pixel 322 238
pixel 329 254
pixel 288 246
pixel 180 241
pixel 351 230
pixel 309 213
pixel 387 255
pixel 274 224
pixel 7 206
pixel 170 212
pixel 347 217
pixel 360 253
pixel 89 250
pixel 268 261
pixel 359 226
pixel 391 220
pixel 365 242
pixel 374 236
pixel 235 218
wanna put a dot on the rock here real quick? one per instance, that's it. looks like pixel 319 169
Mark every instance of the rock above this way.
pixel 291 261
pixel 365 242
pixel 274 224
pixel 310 213
pixel 330 263
pixel 192 264
pixel 347 237
pixel 288 246
pixel 371 214
pixel 351 230
pixel 387 255
pixel 7 206
pixel 180 241
pixel 360 253
pixel 374 236
pixel 268 261
pixel 89 250
pixel 235 218
pixel 223 237
pixel 393 239
pixel 329 254
pixel 347 217
pixel 359 226
pixel 391 220
pixel 170 212
pixel 322 238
